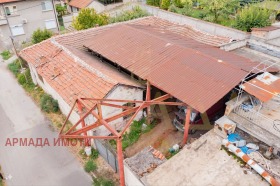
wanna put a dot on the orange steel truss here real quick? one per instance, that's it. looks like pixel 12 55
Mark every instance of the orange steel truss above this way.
pixel 81 133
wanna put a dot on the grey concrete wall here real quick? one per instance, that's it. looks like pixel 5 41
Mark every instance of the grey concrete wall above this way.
pixel 201 25
pixel 269 49
pixel 30 10
pixel 234 45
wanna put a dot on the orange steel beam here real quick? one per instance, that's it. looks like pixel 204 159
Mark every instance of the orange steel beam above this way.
pixel 117 136
pixel 68 116
pixel 80 108
pixel 120 161
pixel 187 125
pixel 132 118
pixel 86 137
pixel 82 118
pixel 148 98
pixel 116 106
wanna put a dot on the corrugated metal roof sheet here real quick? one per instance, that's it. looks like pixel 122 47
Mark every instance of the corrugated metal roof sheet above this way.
pixel 193 72
pixel 264 86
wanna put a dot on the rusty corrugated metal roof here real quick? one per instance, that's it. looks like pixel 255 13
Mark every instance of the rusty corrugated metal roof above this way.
pixel 196 73
pixel 264 86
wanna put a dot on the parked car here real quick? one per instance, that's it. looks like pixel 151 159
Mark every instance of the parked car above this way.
pixel 214 113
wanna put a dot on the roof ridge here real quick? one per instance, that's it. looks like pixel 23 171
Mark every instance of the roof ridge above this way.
pixel 83 63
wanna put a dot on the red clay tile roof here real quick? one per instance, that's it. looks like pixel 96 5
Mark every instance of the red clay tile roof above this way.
pixel 8 1
pixel 80 3
pixel 69 77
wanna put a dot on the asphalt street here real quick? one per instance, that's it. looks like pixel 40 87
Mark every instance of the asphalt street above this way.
pixel 30 165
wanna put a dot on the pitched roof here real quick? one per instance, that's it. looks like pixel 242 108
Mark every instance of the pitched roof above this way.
pixel 8 1
pixel 169 55
pixel 80 3
pixel 69 75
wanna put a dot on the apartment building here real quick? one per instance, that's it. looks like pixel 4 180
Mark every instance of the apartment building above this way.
pixel 20 18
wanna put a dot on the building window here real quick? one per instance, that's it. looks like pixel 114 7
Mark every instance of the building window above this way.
pixel 47 5
pixel 74 9
pixel 50 24
pixel 11 10
pixel 17 30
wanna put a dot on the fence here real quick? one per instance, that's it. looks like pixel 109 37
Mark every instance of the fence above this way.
pixel 107 153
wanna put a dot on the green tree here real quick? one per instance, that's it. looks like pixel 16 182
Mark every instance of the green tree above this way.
pixel 165 4
pixel 182 3
pixel 153 2
pixel 252 17
pixel 61 10
pixel 88 18
pixel 41 35
pixel 219 8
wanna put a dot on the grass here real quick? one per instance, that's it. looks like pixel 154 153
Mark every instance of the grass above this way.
pixel 102 182
pixel 131 137
pixel 90 166
pixel 6 54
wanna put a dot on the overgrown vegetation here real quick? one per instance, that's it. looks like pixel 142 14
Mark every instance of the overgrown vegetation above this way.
pixel 136 129
pixel 14 67
pixel 94 154
pixel 41 35
pixel 48 104
pixel 6 54
pixel 136 12
pixel 253 17
pixel 240 14
pixel 238 159
pixel 61 10
pixel 88 18
pixel 102 182
pixel 90 166
pixel 1 181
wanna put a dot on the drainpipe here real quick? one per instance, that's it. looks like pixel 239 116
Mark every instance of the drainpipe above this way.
pixel 249 161
pixel 56 19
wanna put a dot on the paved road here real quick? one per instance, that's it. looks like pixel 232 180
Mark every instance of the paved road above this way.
pixel 21 118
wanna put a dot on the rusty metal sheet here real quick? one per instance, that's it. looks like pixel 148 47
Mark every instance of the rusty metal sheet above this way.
pixel 264 86
pixel 185 71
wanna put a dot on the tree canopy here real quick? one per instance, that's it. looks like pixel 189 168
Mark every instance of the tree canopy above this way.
pixel 41 35
pixel 88 18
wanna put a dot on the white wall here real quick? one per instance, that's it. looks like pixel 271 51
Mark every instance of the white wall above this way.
pixel 120 92
pixel 130 178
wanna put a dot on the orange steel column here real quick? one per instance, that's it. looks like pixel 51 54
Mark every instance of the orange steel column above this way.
pixel 120 161
pixel 148 98
pixel 80 108
pixel 187 125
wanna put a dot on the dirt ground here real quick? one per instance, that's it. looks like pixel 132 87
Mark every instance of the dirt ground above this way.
pixel 163 136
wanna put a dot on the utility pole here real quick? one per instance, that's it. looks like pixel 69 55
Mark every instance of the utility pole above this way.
pixel 56 18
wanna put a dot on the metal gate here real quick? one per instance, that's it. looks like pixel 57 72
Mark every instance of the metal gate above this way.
pixel 107 153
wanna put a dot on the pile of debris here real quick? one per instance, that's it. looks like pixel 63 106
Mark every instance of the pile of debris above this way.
pixel 145 161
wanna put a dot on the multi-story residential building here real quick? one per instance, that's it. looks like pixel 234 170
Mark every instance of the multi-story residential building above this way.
pixel 20 18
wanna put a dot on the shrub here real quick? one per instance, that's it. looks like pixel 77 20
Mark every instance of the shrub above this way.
pixel 6 54
pixel 252 16
pixel 182 3
pixel 15 67
pixel 90 166
pixel 41 35
pixel 153 2
pixel 88 18
pixel 102 182
pixel 94 154
pixel 21 79
pixel 136 12
pixel 48 104
pixel 165 4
